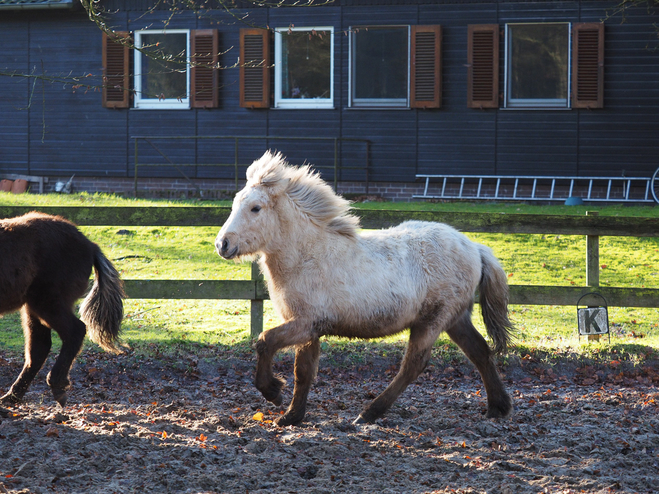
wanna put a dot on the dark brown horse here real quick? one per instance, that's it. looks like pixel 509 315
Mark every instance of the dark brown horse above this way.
pixel 45 264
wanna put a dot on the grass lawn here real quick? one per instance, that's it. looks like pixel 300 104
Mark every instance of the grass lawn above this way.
pixel 188 253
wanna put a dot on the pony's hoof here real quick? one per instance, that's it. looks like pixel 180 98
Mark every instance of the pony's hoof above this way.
pixel 286 420
pixel 10 399
pixel 60 398
pixel 272 391
pixel 499 412
pixel 360 421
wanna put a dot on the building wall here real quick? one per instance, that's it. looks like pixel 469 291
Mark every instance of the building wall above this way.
pixel 50 128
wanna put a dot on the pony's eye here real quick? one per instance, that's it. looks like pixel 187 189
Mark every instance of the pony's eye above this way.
pixel 256 209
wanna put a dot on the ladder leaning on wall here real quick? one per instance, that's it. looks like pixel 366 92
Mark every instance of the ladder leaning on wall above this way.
pixel 541 188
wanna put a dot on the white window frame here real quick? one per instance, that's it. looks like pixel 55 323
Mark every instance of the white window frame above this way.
pixel 300 103
pixel 377 102
pixel 536 103
pixel 151 103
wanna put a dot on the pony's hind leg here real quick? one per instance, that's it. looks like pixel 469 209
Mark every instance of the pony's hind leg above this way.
pixel 306 366
pixel 37 346
pixel 415 360
pixel 72 333
pixel 474 346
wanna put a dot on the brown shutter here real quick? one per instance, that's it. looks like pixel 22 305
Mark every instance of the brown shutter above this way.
pixel 254 68
pixel 588 65
pixel 483 66
pixel 204 74
pixel 116 71
pixel 426 73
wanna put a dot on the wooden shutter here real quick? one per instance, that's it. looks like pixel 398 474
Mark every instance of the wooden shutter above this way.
pixel 426 73
pixel 116 71
pixel 483 66
pixel 254 68
pixel 588 65
pixel 204 74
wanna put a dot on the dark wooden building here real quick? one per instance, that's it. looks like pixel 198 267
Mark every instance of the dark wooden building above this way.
pixel 394 88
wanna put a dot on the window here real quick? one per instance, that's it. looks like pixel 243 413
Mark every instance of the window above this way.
pixel 304 61
pixel 162 79
pixel 549 65
pixel 537 65
pixel 203 87
pixel 379 66
pixel 395 67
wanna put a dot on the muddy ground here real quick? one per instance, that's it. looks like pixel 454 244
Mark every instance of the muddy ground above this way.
pixel 197 424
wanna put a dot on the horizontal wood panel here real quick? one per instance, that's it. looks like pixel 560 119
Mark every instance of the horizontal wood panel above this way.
pixel 468 222
pixel 256 290
pixel 194 289
pixel 570 295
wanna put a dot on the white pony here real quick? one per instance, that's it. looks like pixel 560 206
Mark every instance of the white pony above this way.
pixel 327 278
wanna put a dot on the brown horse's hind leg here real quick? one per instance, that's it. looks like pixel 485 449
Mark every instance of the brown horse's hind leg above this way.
pixel 474 346
pixel 37 346
pixel 306 366
pixel 415 360
pixel 72 332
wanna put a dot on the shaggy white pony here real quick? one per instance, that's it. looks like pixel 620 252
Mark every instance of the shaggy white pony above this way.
pixel 325 277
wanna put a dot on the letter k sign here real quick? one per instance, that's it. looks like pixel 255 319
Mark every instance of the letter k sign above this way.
pixel 593 320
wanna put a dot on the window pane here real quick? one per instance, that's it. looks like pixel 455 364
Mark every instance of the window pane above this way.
pixel 539 61
pixel 163 79
pixel 306 64
pixel 380 63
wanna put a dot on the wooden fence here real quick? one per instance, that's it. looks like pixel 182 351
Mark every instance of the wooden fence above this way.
pixel 592 226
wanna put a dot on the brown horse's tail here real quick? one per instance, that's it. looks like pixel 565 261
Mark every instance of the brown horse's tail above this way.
pixel 103 308
pixel 493 290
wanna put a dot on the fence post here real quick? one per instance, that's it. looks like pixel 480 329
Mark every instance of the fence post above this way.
pixel 593 264
pixel 592 257
pixel 256 305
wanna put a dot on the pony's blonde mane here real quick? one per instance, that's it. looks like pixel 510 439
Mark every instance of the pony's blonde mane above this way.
pixel 306 189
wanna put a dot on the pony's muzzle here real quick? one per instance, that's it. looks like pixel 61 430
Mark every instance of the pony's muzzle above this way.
pixel 225 249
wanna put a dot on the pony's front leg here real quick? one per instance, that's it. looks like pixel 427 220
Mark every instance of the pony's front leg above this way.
pixel 37 346
pixel 306 366
pixel 291 333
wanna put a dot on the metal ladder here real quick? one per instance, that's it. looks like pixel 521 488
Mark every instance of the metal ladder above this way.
pixel 543 188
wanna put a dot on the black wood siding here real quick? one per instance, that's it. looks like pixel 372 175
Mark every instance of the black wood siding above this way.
pixel 49 128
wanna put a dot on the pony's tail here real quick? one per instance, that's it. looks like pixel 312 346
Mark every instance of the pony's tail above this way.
pixel 493 290
pixel 103 308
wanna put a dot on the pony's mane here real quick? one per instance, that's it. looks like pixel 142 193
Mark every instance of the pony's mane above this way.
pixel 306 189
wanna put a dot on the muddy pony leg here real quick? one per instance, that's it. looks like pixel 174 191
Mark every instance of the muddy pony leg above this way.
pixel 37 346
pixel 306 367
pixel 415 360
pixel 474 346
pixel 288 334
pixel 72 333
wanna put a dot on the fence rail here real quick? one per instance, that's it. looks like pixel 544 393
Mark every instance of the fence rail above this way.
pixel 255 290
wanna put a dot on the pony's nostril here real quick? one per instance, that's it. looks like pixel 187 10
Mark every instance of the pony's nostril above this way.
pixel 225 245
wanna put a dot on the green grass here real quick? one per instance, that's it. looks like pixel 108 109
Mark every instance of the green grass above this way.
pixel 188 253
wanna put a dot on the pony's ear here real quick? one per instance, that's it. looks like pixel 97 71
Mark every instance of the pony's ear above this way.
pixel 264 167
pixel 270 171
pixel 278 186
